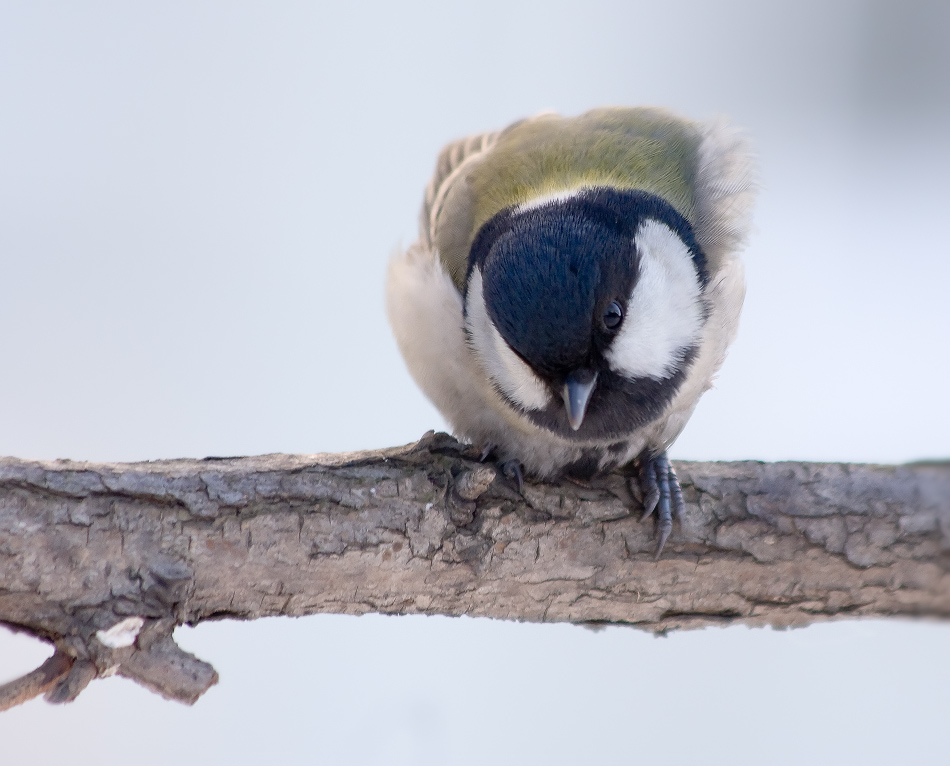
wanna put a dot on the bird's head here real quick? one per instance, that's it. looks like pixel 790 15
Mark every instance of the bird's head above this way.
pixel 586 309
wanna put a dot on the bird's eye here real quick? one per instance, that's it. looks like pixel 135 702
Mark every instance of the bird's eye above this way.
pixel 613 316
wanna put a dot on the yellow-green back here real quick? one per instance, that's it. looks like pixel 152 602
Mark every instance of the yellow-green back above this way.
pixel 628 148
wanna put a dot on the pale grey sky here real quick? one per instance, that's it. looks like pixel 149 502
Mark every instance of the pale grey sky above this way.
pixel 197 203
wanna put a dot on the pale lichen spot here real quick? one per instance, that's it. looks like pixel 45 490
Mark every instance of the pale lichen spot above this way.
pixel 122 634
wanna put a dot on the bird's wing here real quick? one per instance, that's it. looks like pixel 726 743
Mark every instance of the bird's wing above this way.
pixel 450 159
pixel 446 212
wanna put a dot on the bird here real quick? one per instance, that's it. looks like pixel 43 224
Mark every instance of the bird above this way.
pixel 574 289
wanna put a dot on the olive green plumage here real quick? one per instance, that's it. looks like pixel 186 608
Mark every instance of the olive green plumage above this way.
pixel 626 148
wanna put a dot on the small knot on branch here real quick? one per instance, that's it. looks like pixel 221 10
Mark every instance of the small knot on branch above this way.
pixel 474 483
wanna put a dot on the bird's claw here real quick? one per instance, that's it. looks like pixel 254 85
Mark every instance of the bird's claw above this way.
pixel 512 469
pixel 486 452
pixel 661 492
pixel 649 488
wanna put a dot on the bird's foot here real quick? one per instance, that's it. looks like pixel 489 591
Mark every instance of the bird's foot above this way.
pixel 661 492
pixel 512 469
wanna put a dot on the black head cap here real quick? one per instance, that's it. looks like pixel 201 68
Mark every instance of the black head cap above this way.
pixel 544 277
pixel 552 273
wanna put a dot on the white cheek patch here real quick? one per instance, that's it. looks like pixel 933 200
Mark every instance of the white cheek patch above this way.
pixel 512 376
pixel 665 311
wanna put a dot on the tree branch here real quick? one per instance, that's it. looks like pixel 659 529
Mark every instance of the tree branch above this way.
pixel 105 560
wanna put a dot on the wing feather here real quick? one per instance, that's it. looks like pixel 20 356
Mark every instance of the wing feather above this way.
pixel 448 163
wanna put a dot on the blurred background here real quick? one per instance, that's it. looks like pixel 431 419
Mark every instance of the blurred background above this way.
pixel 197 204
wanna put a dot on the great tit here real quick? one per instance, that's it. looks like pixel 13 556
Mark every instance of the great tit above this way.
pixel 575 287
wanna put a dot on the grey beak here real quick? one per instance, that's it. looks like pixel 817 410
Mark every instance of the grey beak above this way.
pixel 576 392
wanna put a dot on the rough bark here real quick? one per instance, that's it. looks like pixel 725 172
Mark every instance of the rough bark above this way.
pixel 104 561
